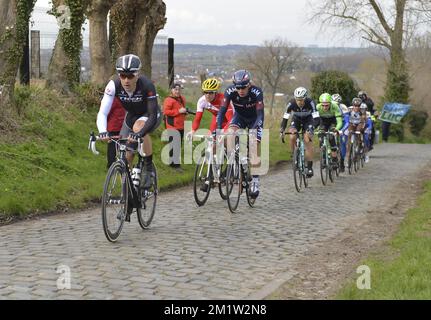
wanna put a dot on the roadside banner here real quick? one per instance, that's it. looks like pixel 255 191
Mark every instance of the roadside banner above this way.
pixel 394 112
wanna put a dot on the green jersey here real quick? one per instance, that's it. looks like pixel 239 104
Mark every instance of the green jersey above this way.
pixel 333 112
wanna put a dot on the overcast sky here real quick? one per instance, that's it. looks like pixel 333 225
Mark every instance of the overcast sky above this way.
pixel 239 22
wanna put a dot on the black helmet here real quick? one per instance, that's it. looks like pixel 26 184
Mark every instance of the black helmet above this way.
pixel 128 64
pixel 362 95
pixel 241 78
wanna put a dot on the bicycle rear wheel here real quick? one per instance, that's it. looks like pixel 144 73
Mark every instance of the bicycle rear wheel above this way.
pixel 297 170
pixel 114 201
pixel 148 199
pixel 233 184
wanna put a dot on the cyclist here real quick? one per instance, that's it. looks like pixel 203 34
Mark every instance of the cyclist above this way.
pixel 247 101
pixel 370 108
pixel 211 101
pixel 357 120
pixel 330 120
pixel 343 138
pixel 304 112
pixel 138 96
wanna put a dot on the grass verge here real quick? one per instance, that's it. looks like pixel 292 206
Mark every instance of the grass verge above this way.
pixel 407 276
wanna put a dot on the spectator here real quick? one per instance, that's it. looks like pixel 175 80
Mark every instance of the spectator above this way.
pixel 174 109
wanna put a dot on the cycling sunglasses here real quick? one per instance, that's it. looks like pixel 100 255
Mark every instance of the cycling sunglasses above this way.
pixel 240 87
pixel 209 92
pixel 127 75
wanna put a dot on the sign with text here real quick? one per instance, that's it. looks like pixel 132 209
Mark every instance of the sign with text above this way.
pixel 394 112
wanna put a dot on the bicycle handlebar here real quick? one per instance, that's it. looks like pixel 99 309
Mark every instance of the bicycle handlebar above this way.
pixel 118 140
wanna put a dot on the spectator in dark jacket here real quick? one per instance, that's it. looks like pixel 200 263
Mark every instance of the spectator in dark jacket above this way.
pixel 370 108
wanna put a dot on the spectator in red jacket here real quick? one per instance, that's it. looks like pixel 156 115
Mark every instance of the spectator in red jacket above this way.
pixel 174 109
pixel 115 122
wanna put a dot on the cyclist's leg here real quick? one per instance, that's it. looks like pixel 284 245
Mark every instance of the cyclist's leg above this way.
pixel 308 140
pixel 148 170
pixel 295 127
pixel 126 129
pixel 236 124
pixel 351 129
pixel 254 153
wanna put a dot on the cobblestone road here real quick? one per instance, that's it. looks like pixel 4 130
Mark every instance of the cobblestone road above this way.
pixel 197 253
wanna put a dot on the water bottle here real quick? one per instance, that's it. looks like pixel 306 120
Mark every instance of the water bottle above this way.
pixel 136 176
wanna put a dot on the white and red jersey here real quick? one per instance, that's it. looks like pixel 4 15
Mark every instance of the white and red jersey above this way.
pixel 213 107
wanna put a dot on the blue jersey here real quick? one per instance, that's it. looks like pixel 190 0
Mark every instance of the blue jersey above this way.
pixel 249 107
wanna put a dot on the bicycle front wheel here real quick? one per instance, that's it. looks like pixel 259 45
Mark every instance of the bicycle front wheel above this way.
pixel 202 181
pixel 222 182
pixel 355 157
pixel 324 166
pixel 115 201
pixel 233 184
pixel 251 201
pixel 148 199
pixel 297 170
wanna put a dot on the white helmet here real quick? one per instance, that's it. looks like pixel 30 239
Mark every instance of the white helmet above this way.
pixel 300 93
pixel 336 97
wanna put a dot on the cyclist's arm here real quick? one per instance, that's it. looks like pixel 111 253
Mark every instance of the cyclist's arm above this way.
pixel 286 117
pixel 338 117
pixel 197 121
pixel 223 110
pixel 153 109
pixel 199 113
pixel 260 115
pixel 105 107
pixel 346 122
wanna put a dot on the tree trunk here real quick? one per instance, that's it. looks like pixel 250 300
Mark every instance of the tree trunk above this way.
pixel 100 52
pixel 136 33
pixel 8 69
pixel 271 106
pixel 150 24
pixel 13 32
pixel 397 83
pixel 65 65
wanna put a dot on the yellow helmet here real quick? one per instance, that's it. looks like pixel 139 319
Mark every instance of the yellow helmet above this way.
pixel 211 84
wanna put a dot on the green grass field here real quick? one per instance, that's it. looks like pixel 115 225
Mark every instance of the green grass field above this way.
pixel 45 165
pixel 403 270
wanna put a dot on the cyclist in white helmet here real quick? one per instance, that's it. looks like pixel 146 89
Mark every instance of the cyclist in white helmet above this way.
pixel 304 112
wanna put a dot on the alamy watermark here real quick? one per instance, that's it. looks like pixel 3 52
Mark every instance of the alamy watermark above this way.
pixel 185 150
pixel 64 281
pixel 364 280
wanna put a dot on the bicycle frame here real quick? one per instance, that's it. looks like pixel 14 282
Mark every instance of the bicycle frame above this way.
pixel 209 157
pixel 121 157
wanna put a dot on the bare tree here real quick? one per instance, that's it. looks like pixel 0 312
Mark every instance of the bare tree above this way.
pixel 391 26
pixel 271 62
